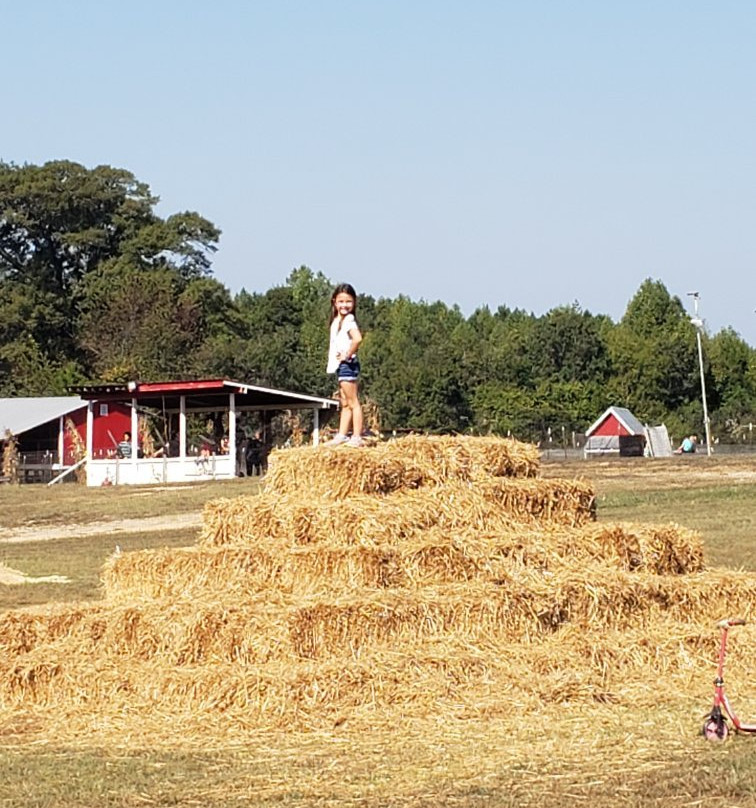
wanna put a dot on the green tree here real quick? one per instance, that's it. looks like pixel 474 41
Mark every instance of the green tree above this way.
pixel 137 325
pixel 413 365
pixel 653 353
pixel 282 339
pixel 733 371
pixel 507 356
pixel 311 295
pixel 60 223
pixel 569 345
pixel 30 360
pixel 504 409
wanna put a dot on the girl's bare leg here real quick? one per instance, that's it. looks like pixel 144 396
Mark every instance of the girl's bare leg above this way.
pixel 351 409
pixel 345 416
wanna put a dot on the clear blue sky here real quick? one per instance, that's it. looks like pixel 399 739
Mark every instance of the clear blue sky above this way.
pixel 527 153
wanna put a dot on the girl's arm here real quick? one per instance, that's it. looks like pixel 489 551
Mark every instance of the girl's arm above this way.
pixel 356 338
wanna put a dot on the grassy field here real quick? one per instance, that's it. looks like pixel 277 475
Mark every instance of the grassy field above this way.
pixel 78 557
pixel 716 496
pixel 604 755
pixel 407 769
pixel 38 505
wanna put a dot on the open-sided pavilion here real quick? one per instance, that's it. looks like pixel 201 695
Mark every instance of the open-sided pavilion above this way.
pixel 179 399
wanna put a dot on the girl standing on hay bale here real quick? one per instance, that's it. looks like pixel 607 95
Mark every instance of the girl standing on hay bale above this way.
pixel 343 361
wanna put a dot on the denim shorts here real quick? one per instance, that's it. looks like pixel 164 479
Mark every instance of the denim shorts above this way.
pixel 349 371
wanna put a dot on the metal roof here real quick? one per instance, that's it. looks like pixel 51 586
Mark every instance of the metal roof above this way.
pixel 204 394
pixel 22 414
pixel 623 415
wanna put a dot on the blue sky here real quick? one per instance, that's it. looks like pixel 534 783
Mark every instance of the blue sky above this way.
pixel 530 154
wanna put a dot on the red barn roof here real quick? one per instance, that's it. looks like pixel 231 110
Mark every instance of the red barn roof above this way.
pixel 204 393
pixel 616 421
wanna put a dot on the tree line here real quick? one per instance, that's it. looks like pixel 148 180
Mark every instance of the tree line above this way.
pixel 96 287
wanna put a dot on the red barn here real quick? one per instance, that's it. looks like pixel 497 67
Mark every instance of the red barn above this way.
pixel 616 431
pixel 46 445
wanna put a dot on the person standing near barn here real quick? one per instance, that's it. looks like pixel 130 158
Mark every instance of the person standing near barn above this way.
pixel 342 360
pixel 255 449
pixel 123 450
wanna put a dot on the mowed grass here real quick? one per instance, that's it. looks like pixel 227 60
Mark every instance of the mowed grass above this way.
pixel 80 558
pixel 479 764
pixel 39 505
pixel 77 559
pixel 569 756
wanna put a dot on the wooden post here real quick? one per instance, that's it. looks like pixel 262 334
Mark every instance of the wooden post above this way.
pixel 90 431
pixel 61 438
pixel 232 432
pixel 134 436
pixel 182 427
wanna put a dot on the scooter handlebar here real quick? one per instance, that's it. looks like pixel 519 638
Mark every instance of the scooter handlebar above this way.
pixel 731 621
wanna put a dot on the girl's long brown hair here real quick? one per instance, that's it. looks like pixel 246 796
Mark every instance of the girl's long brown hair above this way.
pixel 342 288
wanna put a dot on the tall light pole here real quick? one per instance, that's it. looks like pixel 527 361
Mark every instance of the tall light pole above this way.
pixel 698 323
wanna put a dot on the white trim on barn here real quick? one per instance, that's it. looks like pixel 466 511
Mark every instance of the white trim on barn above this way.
pixel 623 415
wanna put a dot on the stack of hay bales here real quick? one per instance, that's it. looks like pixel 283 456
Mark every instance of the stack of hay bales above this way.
pixel 424 576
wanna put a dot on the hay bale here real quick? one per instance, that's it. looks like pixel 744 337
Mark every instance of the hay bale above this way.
pixel 520 608
pixel 308 471
pixel 290 518
pixel 663 550
pixel 515 610
pixel 24 629
pixel 436 677
pixel 396 465
pixel 420 577
pixel 563 502
pixel 179 632
pixel 421 557
pixel 443 458
pixel 243 572
pixel 495 504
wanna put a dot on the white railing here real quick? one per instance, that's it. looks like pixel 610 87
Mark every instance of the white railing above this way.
pixel 150 470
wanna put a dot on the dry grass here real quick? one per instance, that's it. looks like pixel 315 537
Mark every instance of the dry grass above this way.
pixel 534 759
pixel 29 506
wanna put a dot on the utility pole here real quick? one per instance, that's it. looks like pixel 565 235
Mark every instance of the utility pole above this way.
pixel 698 323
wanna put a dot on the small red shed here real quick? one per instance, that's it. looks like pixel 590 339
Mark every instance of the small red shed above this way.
pixel 617 428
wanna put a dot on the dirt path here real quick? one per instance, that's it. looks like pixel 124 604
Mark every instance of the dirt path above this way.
pixel 147 523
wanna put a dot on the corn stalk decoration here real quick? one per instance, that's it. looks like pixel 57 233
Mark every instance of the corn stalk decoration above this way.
pixel 10 458
pixel 78 450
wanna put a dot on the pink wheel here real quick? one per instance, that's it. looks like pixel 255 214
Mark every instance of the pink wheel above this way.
pixel 715 730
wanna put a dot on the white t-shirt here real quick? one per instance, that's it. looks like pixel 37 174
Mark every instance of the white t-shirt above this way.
pixel 340 340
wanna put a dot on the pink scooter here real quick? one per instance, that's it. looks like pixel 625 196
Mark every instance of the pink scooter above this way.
pixel 716 727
